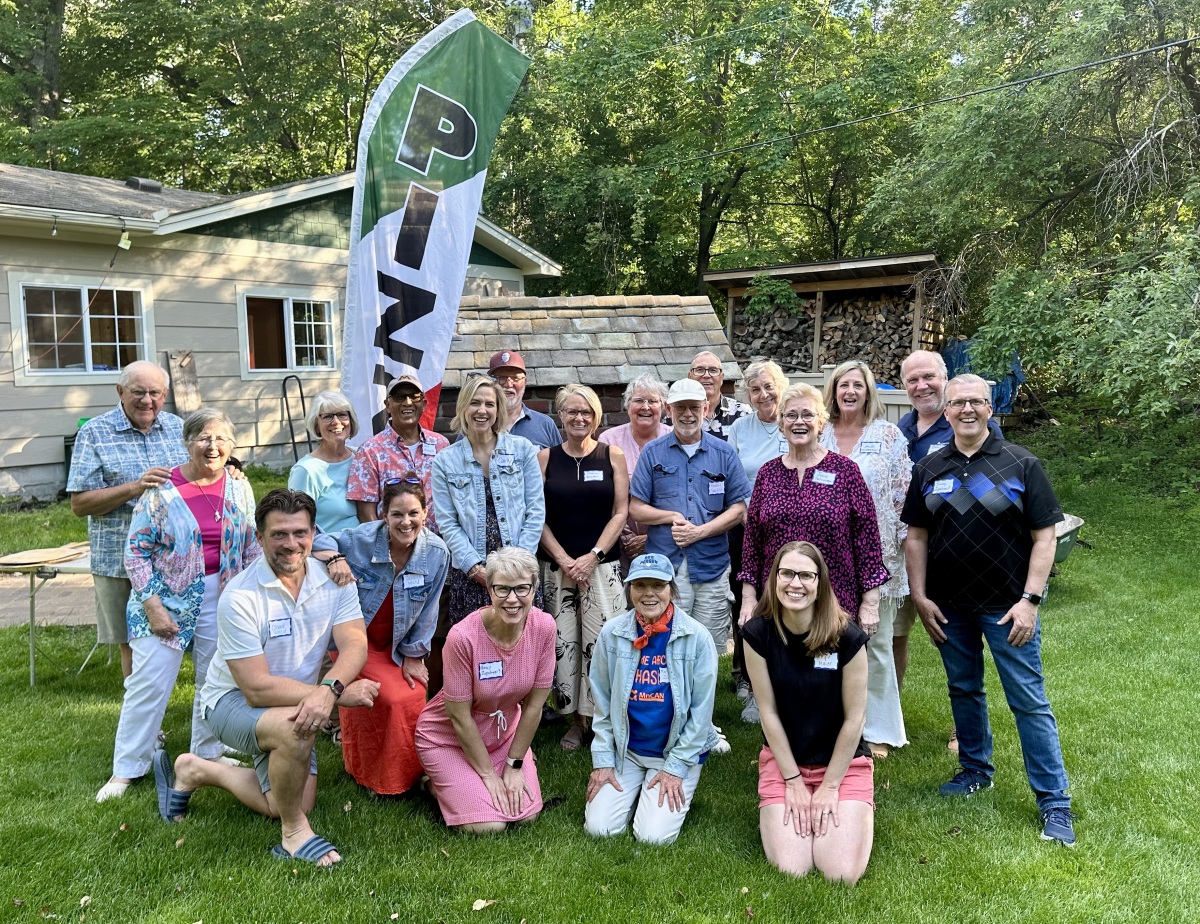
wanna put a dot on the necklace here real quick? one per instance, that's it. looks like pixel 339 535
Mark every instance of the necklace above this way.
pixel 578 460
pixel 216 509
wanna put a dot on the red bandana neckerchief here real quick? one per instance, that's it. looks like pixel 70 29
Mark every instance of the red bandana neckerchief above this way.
pixel 662 624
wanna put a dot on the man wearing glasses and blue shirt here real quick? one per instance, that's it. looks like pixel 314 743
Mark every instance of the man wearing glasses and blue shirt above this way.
pixel 981 516
pixel 118 456
pixel 507 368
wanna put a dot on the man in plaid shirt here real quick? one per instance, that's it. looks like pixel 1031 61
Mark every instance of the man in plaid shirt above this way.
pixel 118 456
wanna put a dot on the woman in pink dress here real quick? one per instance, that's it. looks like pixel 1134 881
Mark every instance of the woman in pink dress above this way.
pixel 473 737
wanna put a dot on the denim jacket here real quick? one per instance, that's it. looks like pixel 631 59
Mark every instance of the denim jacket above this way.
pixel 460 505
pixel 692 674
pixel 416 589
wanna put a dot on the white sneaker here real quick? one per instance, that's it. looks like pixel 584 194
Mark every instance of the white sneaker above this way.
pixel 722 745
pixel 743 689
pixel 228 761
pixel 750 713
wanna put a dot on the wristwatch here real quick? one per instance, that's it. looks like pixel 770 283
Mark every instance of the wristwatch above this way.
pixel 1035 599
pixel 599 553
pixel 336 685
pixel 515 762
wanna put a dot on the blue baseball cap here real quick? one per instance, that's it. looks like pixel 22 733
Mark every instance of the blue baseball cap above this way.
pixel 654 566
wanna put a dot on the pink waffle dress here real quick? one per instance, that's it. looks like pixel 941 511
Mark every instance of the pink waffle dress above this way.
pixel 493 680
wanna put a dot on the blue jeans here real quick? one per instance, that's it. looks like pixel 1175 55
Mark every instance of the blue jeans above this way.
pixel 1020 671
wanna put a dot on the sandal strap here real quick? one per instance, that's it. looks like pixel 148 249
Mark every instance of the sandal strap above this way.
pixel 177 802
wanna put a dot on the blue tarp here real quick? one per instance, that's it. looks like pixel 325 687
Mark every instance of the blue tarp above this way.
pixel 958 359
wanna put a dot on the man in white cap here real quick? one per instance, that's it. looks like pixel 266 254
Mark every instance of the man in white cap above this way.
pixel 690 489
pixel 508 369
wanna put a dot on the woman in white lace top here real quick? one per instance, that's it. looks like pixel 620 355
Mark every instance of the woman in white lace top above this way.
pixel 857 428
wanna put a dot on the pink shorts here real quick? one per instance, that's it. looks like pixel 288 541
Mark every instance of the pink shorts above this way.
pixel 858 785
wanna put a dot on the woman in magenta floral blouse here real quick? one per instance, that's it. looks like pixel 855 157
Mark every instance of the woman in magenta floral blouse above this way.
pixel 814 495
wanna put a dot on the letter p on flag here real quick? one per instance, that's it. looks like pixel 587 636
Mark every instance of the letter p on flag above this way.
pixel 423 150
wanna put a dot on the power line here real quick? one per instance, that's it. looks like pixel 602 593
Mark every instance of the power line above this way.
pixel 1024 81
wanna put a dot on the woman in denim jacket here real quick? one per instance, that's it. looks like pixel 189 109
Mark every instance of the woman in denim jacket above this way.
pixel 654 681
pixel 487 493
pixel 400 567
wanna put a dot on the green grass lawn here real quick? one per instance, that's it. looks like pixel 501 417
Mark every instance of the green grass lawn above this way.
pixel 1120 659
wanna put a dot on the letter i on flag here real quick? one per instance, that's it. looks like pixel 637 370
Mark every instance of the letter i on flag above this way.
pixel 422 160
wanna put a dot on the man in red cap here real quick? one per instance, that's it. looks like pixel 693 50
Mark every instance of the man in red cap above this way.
pixel 508 369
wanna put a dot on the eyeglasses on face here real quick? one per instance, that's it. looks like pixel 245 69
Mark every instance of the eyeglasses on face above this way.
pixel 976 403
pixel 409 398
pixel 792 416
pixel 787 575
pixel 153 394
pixel 213 441
pixel 503 590
pixel 343 416
pixel 705 370
pixel 585 413
pixel 646 402
pixel 513 378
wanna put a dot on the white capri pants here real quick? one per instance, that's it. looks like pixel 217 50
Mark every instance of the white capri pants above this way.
pixel 148 690
pixel 610 811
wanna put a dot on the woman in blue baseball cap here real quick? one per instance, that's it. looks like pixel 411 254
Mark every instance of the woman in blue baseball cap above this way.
pixel 653 680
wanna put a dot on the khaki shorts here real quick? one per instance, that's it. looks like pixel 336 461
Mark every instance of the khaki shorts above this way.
pixel 112 596
pixel 906 618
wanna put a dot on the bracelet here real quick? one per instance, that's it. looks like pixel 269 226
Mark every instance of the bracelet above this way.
pixel 788 779
pixel 330 561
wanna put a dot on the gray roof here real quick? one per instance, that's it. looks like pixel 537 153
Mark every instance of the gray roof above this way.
pixel 592 339
pixel 71 192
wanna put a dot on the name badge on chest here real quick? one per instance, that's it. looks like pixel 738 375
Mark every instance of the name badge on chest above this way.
pixel 716 487
pixel 280 628
pixel 934 447
pixel 943 486
pixel 873 448
pixel 504 459
pixel 826 662
pixel 593 476
pixel 820 477
pixel 491 670
pixel 414 580
pixel 429 448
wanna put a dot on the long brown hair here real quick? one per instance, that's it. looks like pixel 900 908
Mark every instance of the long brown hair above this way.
pixel 829 619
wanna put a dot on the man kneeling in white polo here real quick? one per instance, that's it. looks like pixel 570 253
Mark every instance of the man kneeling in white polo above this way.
pixel 262 696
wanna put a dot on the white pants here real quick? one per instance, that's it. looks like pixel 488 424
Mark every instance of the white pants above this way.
pixel 610 811
pixel 707 602
pixel 148 690
pixel 885 721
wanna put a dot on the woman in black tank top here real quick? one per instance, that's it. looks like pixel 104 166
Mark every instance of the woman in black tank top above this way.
pixel 587 499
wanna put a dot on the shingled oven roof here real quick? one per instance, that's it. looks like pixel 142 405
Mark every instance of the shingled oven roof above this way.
pixel 592 339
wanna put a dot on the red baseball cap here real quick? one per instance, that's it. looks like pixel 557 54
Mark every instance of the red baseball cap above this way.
pixel 506 359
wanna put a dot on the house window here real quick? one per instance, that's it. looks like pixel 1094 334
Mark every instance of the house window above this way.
pixel 289 333
pixel 82 329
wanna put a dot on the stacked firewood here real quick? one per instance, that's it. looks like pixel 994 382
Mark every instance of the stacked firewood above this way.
pixel 779 335
pixel 875 329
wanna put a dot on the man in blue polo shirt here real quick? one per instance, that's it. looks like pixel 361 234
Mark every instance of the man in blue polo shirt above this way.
pixel 690 489
pixel 508 369
pixel 981 516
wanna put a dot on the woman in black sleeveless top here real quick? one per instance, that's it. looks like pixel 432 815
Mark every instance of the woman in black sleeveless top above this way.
pixel 587 498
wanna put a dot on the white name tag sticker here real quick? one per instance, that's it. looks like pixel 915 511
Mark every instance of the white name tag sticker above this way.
pixel 662 675
pixel 429 448
pixel 716 487
pixel 943 486
pixel 280 628
pixel 826 662
pixel 820 477
pixel 504 458
pixel 491 670
pixel 874 448
pixel 934 447
pixel 593 476
pixel 414 580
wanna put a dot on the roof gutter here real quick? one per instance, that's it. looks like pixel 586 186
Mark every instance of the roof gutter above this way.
pixel 50 217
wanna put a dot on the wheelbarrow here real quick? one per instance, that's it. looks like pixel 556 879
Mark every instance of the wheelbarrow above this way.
pixel 1066 537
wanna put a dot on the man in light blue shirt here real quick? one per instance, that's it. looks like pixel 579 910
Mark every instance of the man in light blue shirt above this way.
pixel 508 369
pixel 690 489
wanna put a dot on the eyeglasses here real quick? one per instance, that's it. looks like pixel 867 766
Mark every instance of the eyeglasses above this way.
pixel 503 590
pixel 411 479
pixel 409 398
pixel 213 441
pixel 511 378
pixel 586 413
pixel 343 416
pixel 646 402
pixel 792 416
pixel 787 575
pixel 974 403
pixel 153 394
pixel 705 370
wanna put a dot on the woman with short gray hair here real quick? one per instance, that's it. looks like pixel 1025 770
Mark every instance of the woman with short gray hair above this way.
pixel 324 473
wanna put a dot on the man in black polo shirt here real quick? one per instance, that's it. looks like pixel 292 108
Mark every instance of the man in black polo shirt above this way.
pixel 981 514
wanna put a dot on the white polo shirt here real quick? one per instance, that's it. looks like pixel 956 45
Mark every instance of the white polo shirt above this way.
pixel 257 616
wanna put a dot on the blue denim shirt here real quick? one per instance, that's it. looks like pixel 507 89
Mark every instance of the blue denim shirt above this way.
pixel 540 429
pixel 692 674
pixel 938 435
pixel 461 508
pixel 416 589
pixel 701 488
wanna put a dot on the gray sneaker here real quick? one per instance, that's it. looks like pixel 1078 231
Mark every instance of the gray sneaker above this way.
pixel 750 712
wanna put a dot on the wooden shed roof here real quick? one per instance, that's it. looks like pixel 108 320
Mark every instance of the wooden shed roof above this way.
pixel 862 272
pixel 592 339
